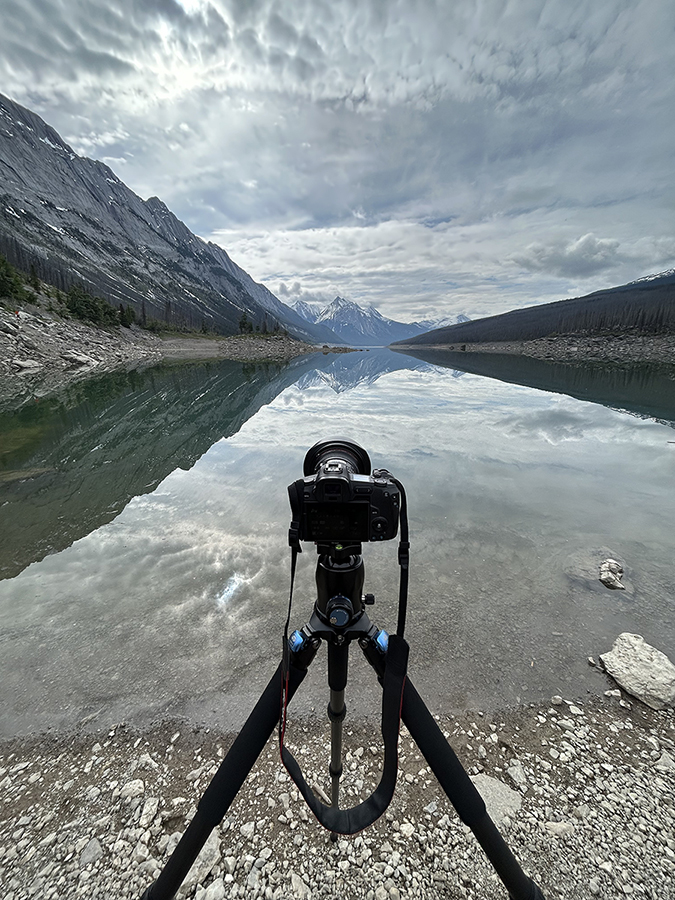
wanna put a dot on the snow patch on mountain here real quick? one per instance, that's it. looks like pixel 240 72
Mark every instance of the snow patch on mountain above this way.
pixel 366 326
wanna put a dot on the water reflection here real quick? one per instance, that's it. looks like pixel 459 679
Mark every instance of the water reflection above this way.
pixel 646 389
pixel 71 463
pixel 177 604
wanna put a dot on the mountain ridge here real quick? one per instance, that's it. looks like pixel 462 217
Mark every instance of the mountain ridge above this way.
pixel 74 221
pixel 644 306
pixel 363 327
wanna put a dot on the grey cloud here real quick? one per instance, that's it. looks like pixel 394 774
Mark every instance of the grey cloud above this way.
pixel 516 126
pixel 584 256
pixel 280 32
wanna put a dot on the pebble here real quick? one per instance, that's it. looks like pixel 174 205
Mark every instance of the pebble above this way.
pixel 585 819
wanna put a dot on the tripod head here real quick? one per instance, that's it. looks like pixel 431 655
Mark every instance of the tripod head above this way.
pixel 339 584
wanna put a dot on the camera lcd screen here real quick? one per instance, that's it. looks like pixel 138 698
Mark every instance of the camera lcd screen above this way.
pixel 342 522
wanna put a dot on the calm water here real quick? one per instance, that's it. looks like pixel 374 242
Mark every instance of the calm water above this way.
pixel 144 517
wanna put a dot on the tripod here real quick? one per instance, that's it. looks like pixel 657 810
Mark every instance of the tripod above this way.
pixel 339 617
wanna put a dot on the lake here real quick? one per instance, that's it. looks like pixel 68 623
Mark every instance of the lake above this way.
pixel 144 520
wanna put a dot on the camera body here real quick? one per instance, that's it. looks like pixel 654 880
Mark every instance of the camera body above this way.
pixel 339 501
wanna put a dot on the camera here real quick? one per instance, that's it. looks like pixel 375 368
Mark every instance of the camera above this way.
pixel 339 501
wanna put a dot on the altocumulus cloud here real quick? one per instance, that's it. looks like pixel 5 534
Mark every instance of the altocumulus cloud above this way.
pixel 519 151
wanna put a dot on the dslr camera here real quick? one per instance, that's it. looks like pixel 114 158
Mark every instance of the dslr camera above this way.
pixel 339 501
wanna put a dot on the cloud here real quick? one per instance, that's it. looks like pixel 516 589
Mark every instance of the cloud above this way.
pixel 582 257
pixel 419 156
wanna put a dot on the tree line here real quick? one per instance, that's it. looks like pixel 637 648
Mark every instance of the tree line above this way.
pixel 647 309
pixel 77 300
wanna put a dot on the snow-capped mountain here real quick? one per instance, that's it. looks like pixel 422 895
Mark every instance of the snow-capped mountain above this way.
pixel 430 324
pixel 308 311
pixel 361 327
pixel 73 221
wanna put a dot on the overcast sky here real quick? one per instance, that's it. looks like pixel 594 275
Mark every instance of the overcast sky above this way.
pixel 430 157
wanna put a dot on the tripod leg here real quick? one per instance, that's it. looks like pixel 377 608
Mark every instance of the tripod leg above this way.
pixel 337 682
pixel 463 795
pixel 225 784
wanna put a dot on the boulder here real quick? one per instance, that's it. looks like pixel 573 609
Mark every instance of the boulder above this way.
pixel 641 670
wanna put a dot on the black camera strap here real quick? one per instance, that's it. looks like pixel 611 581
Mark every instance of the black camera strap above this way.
pixel 403 553
pixel 356 818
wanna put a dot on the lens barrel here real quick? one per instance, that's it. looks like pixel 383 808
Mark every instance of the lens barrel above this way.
pixel 352 455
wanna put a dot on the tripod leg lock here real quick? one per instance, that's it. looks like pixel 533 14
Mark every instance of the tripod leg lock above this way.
pixel 337 716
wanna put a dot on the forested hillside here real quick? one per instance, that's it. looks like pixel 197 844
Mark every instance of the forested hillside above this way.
pixel 646 306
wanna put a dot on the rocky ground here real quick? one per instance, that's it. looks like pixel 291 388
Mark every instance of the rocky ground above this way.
pixel 610 348
pixel 584 793
pixel 41 351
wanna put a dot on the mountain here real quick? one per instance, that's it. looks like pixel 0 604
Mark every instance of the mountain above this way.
pixel 73 221
pixel 96 445
pixel 306 310
pixel 361 327
pixel 646 306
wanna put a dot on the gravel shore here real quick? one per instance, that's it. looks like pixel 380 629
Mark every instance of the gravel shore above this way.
pixel 611 348
pixel 41 352
pixel 584 793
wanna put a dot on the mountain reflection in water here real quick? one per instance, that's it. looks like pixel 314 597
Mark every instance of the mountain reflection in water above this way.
pixel 71 463
pixel 645 389
pixel 172 597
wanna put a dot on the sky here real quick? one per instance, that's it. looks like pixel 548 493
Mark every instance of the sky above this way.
pixel 428 157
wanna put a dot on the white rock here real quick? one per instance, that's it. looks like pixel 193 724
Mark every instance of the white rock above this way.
pixel 300 889
pixel 500 800
pixel 149 811
pixel 91 852
pixel 641 670
pixel 666 763
pixel 132 789
pixel 611 573
pixel 216 890
pixel 560 829
pixel 517 774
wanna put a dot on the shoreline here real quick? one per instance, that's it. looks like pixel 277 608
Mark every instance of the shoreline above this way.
pixel 581 790
pixel 41 353
pixel 580 349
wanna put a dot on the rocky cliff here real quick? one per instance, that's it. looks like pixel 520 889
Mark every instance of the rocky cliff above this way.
pixel 73 220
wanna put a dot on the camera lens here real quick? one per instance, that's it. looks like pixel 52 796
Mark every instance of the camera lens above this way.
pixel 354 457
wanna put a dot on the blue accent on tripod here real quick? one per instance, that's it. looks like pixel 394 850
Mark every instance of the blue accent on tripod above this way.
pixel 296 640
pixel 382 641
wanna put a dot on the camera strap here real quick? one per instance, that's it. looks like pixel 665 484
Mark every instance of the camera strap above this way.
pixel 403 553
pixel 356 818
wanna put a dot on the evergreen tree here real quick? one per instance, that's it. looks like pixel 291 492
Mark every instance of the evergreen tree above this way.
pixel 33 279
pixel 10 283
